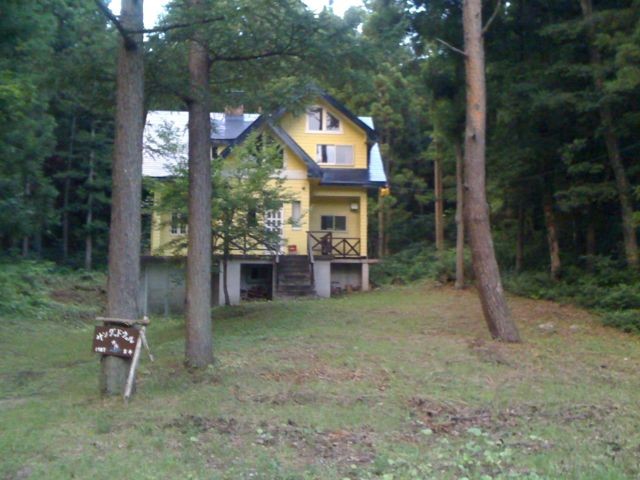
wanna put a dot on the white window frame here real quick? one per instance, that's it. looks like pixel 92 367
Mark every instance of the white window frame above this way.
pixel 296 220
pixel 333 228
pixel 324 120
pixel 336 147
pixel 178 224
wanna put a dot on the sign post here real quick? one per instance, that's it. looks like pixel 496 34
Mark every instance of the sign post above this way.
pixel 120 337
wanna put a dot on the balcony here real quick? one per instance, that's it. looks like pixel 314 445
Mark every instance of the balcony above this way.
pixel 327 244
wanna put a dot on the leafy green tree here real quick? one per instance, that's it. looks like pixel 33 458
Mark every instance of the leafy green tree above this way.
pixel 246 187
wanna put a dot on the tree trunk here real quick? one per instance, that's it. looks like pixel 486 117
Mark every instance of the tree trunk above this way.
pixel 25 238
pixel 66 193
pixel 520 240
pixel 459 215
pixel 485 266
pixel 439 200
pixel 591 241
pixel 613 147
pixel 225 276
pixel 380 226
pixel 88 239
pixel 199 347
pixel 552 236
pixel 124 231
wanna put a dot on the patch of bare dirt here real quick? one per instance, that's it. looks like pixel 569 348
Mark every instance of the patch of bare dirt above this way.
pixel 456 419
pixel 488 352
pixel 340 447
pixel 198 424
pixel 321 372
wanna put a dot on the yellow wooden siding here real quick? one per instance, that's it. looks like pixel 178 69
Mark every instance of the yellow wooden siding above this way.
pixel 350 134
pixel 337 201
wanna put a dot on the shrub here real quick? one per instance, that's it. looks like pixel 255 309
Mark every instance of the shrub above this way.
pixel 417 262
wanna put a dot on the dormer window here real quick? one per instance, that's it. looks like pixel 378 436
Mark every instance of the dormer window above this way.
pixel 321 120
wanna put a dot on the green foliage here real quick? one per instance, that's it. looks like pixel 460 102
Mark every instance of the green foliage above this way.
pixel 609 288
pixel 29 290
pixel 419 261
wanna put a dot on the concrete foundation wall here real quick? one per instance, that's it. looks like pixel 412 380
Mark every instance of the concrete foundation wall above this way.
pixel 322 275
pixel 346 276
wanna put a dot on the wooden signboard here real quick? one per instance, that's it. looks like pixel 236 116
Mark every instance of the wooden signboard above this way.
pixel 118 341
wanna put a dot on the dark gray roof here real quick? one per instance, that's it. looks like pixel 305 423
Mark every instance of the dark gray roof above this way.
pixel 229 127
pixel 346 176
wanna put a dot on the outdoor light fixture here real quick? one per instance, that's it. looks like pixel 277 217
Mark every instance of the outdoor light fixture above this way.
pixel 354 207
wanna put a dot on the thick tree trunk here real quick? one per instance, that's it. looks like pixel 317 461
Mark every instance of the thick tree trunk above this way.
pixel 485 266
pixel 459 215
pixel 124 230
pixel 439 200
pixel 67 192
pixel 520 240
pixel 552 237
pixel 199 341
pixel 613 147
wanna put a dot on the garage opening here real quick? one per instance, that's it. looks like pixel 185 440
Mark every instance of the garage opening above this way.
pixel 256 282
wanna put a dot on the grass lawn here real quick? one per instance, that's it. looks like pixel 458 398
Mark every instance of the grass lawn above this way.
pixel 400 383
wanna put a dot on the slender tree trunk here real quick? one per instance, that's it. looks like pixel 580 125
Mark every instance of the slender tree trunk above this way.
pixel 439 200
pixel 225 276
pixel 487 274
pixel 88 239
pixel 613 148
pixel 552 236
pixel 66 193
pixel 124 231
pixel 199 340
pixel 591 240
pixel 381 235
pixel 459 215
pixel 25 239
pixel 520 240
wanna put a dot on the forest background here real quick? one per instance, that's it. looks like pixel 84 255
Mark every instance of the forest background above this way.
pixel 563 90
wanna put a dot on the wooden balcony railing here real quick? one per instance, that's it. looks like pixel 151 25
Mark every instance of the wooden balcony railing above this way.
pixel 325 243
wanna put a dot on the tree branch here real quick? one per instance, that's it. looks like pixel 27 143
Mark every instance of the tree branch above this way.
pixel 448 45
pixel 174 26
pixel 493 17
pixel 129 42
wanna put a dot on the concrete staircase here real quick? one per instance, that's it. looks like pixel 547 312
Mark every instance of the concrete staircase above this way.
pixel 294 277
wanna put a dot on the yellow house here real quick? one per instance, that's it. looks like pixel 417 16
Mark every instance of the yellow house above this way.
pixel 331 162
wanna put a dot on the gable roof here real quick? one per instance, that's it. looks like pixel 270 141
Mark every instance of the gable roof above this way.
pixel 371 133
pixel 232 130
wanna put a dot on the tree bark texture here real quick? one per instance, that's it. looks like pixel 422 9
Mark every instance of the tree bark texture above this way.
pixel 126 197
pixel 439 200
pixel 381 240
pixel 613 147
pixel 88 239
pixel 66 193
pixel 520 240
pixel 199 347
pixel 552 237
pixel 487 274
pixel 459 215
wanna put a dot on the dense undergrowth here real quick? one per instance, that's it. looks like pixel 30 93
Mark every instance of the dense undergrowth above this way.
pixel 42 290
pixel 607 288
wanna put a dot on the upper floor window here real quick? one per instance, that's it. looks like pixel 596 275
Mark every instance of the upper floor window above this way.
pixel 178 224
pixel 321 120
pixel 334 154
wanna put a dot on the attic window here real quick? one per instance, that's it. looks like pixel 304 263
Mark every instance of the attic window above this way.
pixel 321 120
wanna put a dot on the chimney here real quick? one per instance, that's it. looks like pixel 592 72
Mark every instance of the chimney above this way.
pixel 237 111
